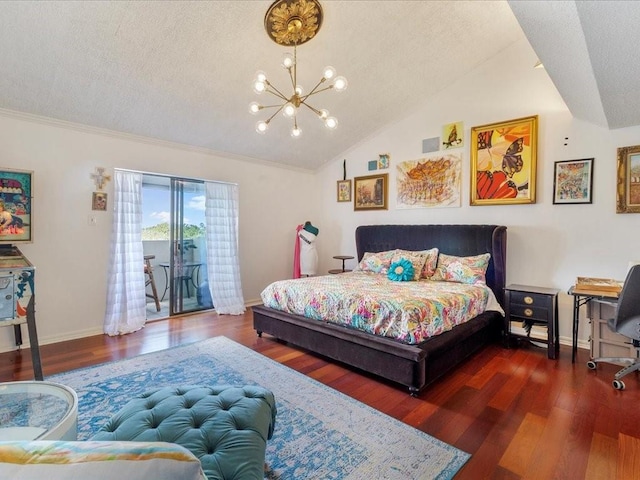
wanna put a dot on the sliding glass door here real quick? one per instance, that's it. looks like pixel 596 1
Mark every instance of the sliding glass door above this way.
pixel 174 246
pixel 187 272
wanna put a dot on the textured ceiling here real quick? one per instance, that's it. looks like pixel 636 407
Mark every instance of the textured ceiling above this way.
pixel 182 71
pixel 589 49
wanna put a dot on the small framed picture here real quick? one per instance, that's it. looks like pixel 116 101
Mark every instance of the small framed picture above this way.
pixel 371 192
pixel 628 178
pixel 99 201
pixel 344 190
pixel 573 181
pixel 383 161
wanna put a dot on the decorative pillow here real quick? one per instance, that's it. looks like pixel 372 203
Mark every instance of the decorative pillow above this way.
pixel 417 259
pixel 462 269
pixel 401 271
pixel 59 460
pixel 376 262
pixel 430 263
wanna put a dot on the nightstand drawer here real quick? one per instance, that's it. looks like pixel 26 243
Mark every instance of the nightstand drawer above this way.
pixel 523 311
pixel 529 299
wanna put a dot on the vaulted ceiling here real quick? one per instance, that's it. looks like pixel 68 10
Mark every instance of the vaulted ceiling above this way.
pixel 182 71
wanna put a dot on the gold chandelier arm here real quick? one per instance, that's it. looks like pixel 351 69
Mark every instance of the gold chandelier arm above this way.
pixel 274 91
pixel 314 110
pixel 314 91
pixel 274 114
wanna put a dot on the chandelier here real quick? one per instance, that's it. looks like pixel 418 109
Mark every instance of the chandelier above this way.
pixel 292 23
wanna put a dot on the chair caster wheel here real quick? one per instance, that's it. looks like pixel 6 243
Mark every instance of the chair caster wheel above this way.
pixel 618 384
pixel 591 365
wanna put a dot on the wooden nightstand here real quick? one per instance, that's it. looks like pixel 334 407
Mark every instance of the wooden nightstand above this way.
pixel 537 304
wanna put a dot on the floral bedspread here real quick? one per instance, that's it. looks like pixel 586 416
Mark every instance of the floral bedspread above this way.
pixel 407 311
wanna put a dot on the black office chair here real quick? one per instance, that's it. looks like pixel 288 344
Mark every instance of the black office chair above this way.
pixel 627 323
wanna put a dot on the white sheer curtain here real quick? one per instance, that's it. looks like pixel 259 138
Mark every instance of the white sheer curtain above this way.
pixel 126 302
pixel 223 263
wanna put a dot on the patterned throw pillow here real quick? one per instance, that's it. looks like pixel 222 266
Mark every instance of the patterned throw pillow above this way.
pixel 376 262
pixel 430 263
pixel 462 269
pixel 417 259
pixel 401 271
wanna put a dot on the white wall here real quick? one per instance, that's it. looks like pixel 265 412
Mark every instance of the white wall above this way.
pixel 548 245
pixel 71 257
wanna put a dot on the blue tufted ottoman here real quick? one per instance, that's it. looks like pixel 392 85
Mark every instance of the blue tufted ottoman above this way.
pixel 225 427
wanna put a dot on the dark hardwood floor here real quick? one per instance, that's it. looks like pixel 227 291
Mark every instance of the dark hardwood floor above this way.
pixel 520 415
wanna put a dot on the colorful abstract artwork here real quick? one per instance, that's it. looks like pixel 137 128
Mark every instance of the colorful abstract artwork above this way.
pixel 434 181
pixel 503 162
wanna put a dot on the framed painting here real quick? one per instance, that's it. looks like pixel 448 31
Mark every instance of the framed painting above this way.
pixel 503 162
pixel 434 181
pixel 573 181
pixel 16 194
pixel 452 135
pixel 628 173
pixel 344 190
pixel 99 201
pixel 371 192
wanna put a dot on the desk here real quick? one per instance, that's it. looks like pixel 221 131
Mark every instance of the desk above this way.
pixel 580 299
pixel 190 275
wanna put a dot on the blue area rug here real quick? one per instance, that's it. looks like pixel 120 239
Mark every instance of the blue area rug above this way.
pixel 320 433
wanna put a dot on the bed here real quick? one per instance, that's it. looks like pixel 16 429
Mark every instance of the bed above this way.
pixel 412 365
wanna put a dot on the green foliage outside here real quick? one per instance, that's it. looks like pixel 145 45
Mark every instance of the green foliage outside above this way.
pixel 161 231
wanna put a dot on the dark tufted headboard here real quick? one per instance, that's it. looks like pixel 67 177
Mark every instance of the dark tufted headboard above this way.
pixel 459 240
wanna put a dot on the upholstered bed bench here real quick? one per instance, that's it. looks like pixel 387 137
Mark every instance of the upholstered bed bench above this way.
pixel 225 427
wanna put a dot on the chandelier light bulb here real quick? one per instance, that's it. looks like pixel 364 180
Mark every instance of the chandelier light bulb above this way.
pixel 299 90
pixel 296 132
pixel 289 110
pixel 340 84
pixel 262 126
pixel 287 60
pixel 259 87
pixel 328 73
pixel 261 76
pixel 254 108
pixel 331 123
pixel 324 113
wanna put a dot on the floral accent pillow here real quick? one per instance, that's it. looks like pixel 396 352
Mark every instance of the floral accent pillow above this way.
pixel 417 259
pixel 462 269
pixel 430 263
pixel 401 271
pixel 376 262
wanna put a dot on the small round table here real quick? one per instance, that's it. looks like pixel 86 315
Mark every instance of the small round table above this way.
pixel 343 258
pixel 38 410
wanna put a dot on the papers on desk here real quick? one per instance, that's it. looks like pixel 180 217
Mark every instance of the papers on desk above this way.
pixel 606 287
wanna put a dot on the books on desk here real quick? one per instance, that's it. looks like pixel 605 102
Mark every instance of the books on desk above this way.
pixel 606 287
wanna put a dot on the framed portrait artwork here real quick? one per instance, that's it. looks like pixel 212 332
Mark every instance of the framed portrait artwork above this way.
pixel 99 201
pixel 371 192
pixel 628 173
pixel 503 162
pixel 16 216
pixel 573 181
pixel 344 190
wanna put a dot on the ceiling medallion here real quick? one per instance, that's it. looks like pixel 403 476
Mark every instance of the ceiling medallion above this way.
pixel 293 22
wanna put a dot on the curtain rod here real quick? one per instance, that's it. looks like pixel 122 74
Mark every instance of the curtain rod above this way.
pixel 175 176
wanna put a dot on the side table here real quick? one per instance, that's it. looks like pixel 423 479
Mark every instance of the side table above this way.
pixel 38 410
pixel 538 305
pixel 343 258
